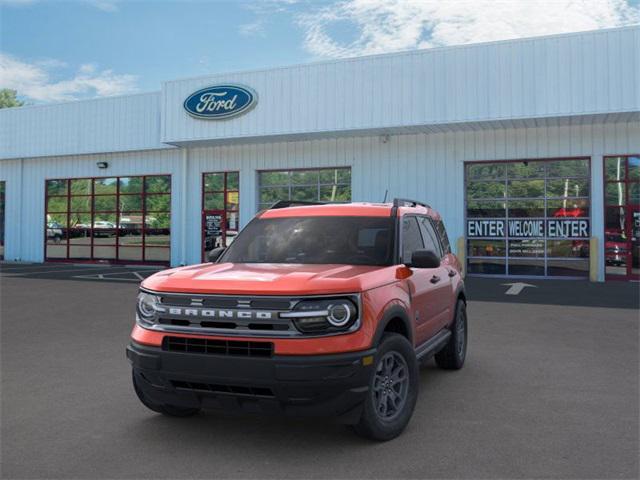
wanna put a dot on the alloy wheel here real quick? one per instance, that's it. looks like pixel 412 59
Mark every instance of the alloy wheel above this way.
pixel 461 334
pixel 391 385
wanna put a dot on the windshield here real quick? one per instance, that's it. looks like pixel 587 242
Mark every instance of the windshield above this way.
pixel 315 240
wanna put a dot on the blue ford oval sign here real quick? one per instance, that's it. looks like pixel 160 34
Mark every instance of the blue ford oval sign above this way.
pixel 220 101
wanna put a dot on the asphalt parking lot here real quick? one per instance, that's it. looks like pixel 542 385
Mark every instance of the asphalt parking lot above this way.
pixel 550 390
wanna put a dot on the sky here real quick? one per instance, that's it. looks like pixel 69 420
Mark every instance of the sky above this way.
pixel 54 50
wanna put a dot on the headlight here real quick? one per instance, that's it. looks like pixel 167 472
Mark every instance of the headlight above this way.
pixel 341 313
pixel 323 315
pixel 147 307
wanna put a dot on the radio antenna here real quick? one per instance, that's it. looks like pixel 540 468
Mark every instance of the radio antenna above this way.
pixel 385 196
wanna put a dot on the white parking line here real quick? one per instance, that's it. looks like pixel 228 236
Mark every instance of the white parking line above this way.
pixel 111 276
pixel 101 278
pixel 32 272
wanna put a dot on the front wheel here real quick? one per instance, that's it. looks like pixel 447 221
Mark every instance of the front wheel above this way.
pixel 393 390
pixel 452 356
pixel 169 410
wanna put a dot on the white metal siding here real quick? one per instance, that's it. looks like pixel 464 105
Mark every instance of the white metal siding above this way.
pixel 558 76
pixel 428 167
pixel 11 174
pixel 423 166
pixel 112 124
pixel 584 77
pixel 25 196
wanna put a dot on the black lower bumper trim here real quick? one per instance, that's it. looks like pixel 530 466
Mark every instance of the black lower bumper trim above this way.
pixel 318 385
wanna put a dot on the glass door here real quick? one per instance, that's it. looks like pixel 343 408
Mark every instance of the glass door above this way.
pixel 528 218
pixel 2 220
pixel 635 240
pixel 622 217
pixel 115 219
pixel 220 202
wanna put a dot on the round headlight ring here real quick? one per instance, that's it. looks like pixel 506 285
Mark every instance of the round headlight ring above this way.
pixel 146 305
pixel 340 314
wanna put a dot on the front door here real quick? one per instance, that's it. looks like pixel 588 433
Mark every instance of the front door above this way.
pixel 622 217
pixel 440 279
pixel 427 286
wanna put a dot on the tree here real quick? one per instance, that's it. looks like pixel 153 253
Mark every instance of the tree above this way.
pixel 8 98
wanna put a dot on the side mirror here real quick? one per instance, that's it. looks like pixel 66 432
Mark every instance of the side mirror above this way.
pixel 214 254
pixel 424 259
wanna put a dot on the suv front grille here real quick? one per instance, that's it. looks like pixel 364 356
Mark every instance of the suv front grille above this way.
pixel 230 315
pixel 233 315
pixel 217 347
pixel 268 303
pixel 229 389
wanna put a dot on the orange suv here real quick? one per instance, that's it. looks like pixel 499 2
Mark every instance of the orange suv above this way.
pixel 314 309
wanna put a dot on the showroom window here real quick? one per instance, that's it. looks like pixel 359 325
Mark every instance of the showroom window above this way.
pixel 325 185
pixel 528 218
pixel 115 219
pixel 2 187
pixel 622 217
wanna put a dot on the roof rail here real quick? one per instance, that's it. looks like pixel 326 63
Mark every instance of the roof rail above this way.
pixel 293 203
pixel 405 202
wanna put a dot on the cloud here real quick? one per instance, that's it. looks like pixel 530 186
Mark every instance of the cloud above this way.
pixel 264 11
pixel 34 80
pixel 391 25
pixel 104 5
pixel 269 7
pixel 252 29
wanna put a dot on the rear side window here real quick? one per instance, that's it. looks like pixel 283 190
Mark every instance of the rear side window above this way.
pixel 444 239
pixel 411 238
pixel 430 238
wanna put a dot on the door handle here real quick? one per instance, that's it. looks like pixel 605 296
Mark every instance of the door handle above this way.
pixel 435 279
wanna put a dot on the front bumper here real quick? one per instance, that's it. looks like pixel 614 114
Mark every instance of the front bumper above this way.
pixel 318 385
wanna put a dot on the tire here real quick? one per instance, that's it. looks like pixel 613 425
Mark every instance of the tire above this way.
pixel 452 356
pixel 169 410
pixel 379 425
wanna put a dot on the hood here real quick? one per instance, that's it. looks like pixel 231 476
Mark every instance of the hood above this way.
pixel 269 279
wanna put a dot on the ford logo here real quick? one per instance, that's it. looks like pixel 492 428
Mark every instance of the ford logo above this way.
pixel 220 101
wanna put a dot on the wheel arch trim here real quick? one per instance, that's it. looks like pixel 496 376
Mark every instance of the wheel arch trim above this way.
pixel 392 312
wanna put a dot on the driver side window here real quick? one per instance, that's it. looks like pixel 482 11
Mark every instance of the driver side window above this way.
pixel 411 238
pixel 430 238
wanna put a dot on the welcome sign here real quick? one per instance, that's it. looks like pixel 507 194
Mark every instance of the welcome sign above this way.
pixel 220 102
pixel 528 228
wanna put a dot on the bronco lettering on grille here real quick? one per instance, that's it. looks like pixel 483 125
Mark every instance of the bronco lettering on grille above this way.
pixel 214 313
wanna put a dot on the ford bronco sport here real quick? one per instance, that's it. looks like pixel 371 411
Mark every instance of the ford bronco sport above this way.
pixel 312 310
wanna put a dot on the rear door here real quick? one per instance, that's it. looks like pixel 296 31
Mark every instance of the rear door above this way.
pixel 422 284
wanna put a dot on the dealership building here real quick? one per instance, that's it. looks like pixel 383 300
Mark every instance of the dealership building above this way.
pixel 529 148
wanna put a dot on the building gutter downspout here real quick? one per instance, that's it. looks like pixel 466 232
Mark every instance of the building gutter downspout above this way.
pixel 183 207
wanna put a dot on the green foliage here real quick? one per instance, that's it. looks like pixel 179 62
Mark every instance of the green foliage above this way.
pixel 326 185
pixel 159 184
pixel 8 98
pixel 214 182
pixel 486 190
pixel 526 188
pixel 131 185
pixel 158 203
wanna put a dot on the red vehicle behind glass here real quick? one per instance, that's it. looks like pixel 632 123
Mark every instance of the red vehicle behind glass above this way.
pixel 312 310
